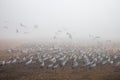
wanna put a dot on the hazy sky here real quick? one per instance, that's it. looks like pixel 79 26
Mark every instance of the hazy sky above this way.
pixel 79 17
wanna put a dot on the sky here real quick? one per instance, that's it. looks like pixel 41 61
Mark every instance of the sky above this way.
pixel 81 18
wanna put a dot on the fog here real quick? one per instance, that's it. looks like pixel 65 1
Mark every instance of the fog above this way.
pixel 81 18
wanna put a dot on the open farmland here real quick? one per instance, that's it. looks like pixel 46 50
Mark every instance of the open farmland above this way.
pixel 40 61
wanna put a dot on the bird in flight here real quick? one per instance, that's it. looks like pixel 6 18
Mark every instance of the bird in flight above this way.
pixel 17 31
pixel 69 35
pixel 36 26
pixel 22 25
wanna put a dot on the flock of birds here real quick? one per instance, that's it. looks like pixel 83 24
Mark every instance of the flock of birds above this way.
pixel 60 56
pixel 68 34
pixel 53 57
pixel 21 29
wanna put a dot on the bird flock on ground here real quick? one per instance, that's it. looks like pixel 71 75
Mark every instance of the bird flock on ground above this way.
pixel 52 57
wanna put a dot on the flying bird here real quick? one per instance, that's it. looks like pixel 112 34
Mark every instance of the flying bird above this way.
pixel 69 35
pixel 59 31
pixel 5 27
pixel 17 31
pixel 54 37
pixel 96 37
pixel 22 25
pixel 36 26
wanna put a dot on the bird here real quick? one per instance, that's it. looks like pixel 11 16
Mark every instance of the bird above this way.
pixel 5 21
pixel 14 61
pixel 8 62
pixel 36 26
pixel 24 59
pixel 56 66
pixel 69 35
pixel 96 37
pixel 63 62
pixel 26 32
pixel 118 64
pixel 17 31
pixel 29 62
pixel 54 37
pixel 104 62
pixel 50 65
pixel 9 51
pixel 53 60
pixel 2 63
pixel 22 25
pixel 59 31
pixel 75 64
pixel 93 65
pixel 115 57
pixel 5 27
pixel 42 64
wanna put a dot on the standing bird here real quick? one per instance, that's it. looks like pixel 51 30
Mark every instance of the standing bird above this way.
pixel 75 64
pixel 50 65
pixel 93 65
pixel 56 66
pixel 30 61
pixel 2 63
pixel 42 64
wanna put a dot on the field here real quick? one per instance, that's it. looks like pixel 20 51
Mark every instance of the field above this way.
pixel 33 71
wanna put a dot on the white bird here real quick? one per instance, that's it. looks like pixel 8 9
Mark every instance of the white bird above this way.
pixel 104 62
pixel 8 62
pixel 111 62
pixel 46 58
pixel 75 64
pixel 53 60
pixel 62 58
pixel 43 64
pixel 115 57
pixel 64 62
pixel 118 64
pixel 93 65
pixel 50 65
pixel 9 50
pixel 56 66
pixel 24 59
pixel 14 61
pixel 30 61
pixel 2 63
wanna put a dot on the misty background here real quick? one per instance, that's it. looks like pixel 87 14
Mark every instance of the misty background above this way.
pixel 43 18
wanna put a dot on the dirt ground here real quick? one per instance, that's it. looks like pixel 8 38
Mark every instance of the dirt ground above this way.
pixel 34 72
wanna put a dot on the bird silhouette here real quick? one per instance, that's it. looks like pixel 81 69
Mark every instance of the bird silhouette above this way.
pixel 69 35
pixel 22 25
